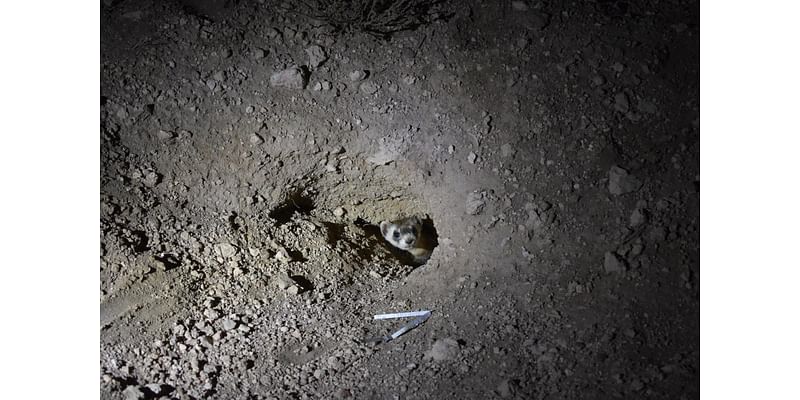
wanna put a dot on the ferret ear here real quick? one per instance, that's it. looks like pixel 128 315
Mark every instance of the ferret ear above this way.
pixel 417 220
pixel 384 227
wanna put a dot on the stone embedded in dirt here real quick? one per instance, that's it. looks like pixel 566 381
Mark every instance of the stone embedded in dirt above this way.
pixel 621 182
pixel 151 179
pixel 519 5
pixel 219 76
pixel 228 324
pixel 638 217
pixel 369 87
pixel 507 388
pixel 472 157
pixel 165 135
pixel 339 212
pixel 292 78
pixel 598 80
pixel 612 263
pixel 475 203
pixel 358 75
pixel 316 56
pixel 211 314
pixel 259 54
pixel 621 102
pixel 133 392
pixel 443 350
pixel 255 139
pixel 508 151
pixel 382 157
pixel 226 250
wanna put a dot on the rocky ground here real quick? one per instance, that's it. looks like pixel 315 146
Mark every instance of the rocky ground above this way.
pixel 248 154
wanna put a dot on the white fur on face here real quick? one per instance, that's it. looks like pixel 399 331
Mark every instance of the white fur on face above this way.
pixel 401 236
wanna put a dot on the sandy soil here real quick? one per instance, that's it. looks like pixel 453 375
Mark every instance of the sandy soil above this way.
pixel 553 147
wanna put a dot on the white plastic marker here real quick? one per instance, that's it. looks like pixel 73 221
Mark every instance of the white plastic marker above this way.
pixel 421 316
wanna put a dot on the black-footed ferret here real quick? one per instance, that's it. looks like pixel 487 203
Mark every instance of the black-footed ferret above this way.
pixel 407 234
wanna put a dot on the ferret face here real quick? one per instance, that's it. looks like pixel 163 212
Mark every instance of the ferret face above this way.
pixel 401 234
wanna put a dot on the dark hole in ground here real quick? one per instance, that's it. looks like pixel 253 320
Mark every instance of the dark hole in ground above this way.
pixel 297 203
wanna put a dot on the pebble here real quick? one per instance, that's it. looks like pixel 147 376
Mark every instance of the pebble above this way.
pixel 620 182
pixel 443 350
pixel 339 212
pixel 316 56
pixel 475 203
pixel 292 78
pixel 472 157
pixel 358 75
pixel 612 263
pixel 259 54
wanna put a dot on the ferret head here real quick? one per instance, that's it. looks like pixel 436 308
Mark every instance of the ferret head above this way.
pixel 403 233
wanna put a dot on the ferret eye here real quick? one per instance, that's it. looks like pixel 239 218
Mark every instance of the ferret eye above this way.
pixel 396 235
pixel 414 230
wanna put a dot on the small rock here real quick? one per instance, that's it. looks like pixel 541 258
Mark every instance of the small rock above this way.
pixel 443 350
pixel 339 212
pixel 133 393
pixel 472 157
pixel 292 78
pixel 613 263
pixel 508 151
pixel 326 85
pixel 621 102
pixel 259 54
pixel 154 387
pixel 382 157
pixel 205 341
pixel 219 76
pixel 255 139
pixel 211 314
pixel 507 388
pixel 228 324
pixel 598 80
pixel 316 56
pixel 369 88
pixel 165 135
pixel 519 5
pixel 638 217
pixel 358 75
pixel 226 250
pixel 620 182
pixel 475 203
